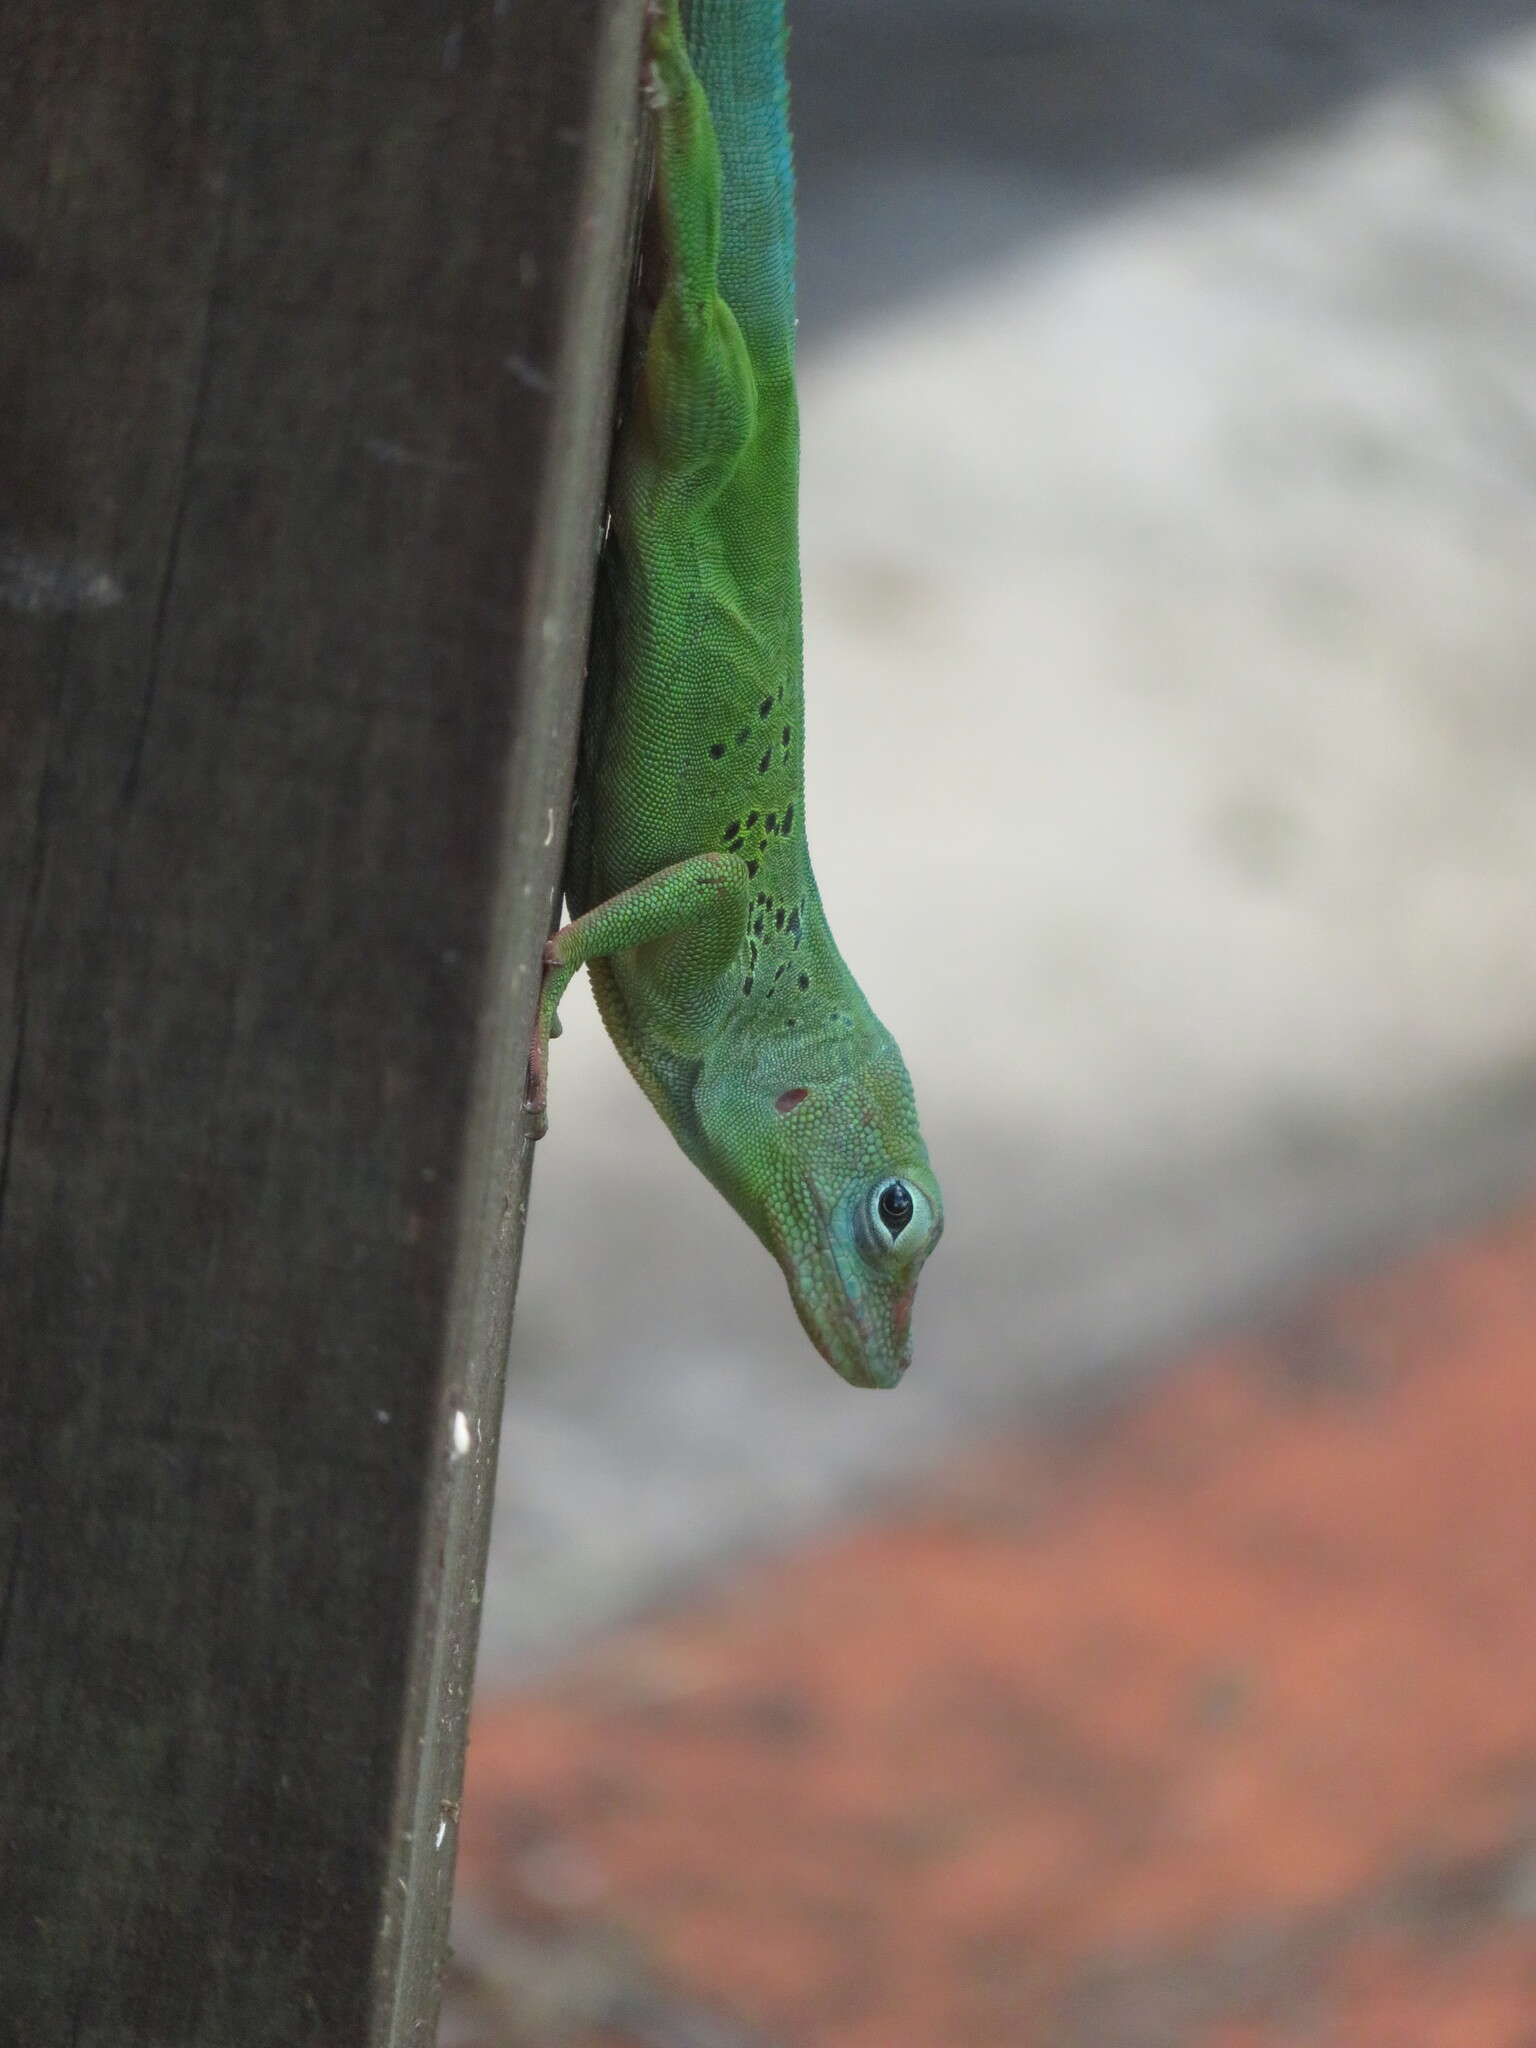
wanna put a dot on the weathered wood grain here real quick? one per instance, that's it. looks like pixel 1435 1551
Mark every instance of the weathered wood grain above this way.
pixel 308 322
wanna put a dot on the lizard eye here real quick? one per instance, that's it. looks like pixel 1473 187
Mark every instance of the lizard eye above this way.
pixel 897 1209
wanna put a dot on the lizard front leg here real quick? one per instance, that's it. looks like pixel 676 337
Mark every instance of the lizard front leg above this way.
pixel 701 904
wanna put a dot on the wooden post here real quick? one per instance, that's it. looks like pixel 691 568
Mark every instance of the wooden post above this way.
pixel 308 327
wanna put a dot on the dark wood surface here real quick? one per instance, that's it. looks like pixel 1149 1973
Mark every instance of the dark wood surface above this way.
pixel 307 336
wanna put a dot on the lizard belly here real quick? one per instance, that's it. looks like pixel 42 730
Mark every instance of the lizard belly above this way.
pixel 695 713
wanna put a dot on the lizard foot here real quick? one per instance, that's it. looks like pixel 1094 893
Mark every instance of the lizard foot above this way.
pixel 536 1091
pixel 663 54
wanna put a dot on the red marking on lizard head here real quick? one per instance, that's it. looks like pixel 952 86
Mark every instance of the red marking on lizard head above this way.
pixel 791 1099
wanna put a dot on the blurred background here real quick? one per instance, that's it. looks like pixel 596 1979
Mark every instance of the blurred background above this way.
pixel 1169 411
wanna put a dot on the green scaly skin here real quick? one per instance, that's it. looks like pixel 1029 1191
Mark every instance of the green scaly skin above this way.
pixel 690 887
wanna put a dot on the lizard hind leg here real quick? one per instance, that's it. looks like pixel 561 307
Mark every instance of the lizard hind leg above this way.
pixel 698 387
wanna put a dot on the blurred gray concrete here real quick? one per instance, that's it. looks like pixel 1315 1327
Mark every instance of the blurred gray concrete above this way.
pixel 1170 501
pixel 934 138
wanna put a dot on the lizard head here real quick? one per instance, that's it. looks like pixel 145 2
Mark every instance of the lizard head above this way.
pixel 817 1146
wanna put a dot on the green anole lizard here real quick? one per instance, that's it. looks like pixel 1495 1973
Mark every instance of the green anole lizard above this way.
pixel 692 900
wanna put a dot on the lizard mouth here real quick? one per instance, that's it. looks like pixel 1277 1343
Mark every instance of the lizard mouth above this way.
pixel 852 1345
pixel 855 1350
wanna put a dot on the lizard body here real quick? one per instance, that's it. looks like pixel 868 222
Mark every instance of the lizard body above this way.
pixel 690 887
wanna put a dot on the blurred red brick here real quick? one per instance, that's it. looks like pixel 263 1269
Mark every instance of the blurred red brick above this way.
pixel 1211 1724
